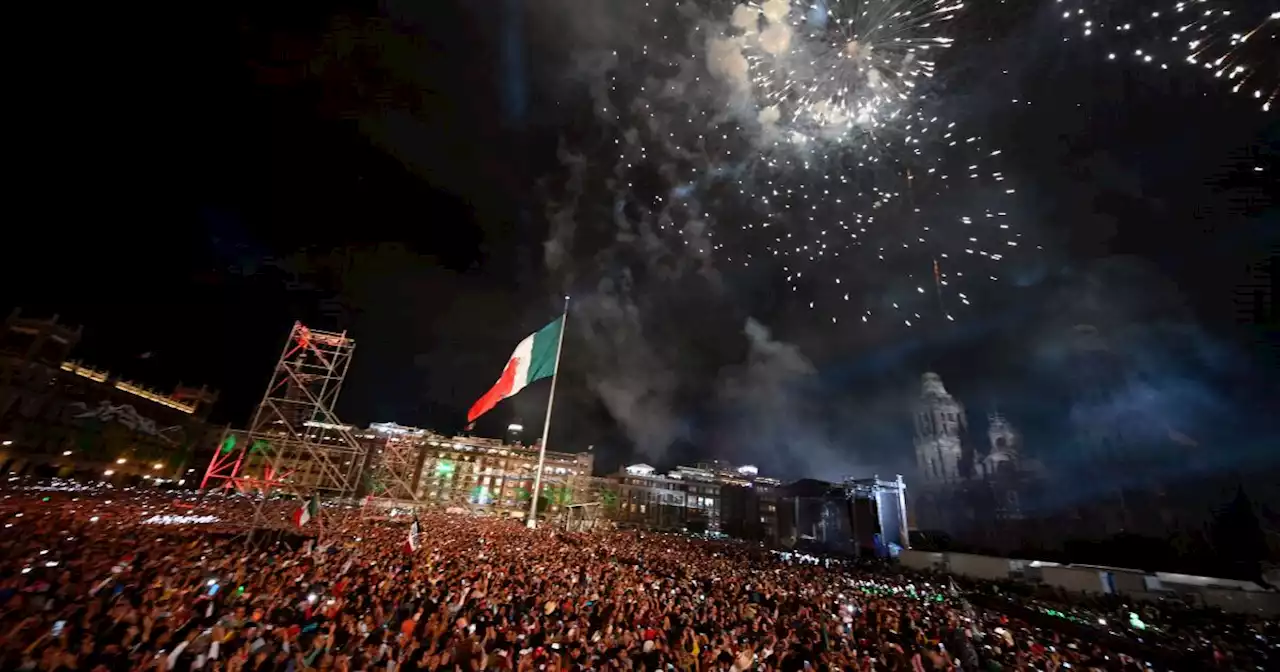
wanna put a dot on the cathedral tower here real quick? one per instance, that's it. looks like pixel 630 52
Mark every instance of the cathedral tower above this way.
pixel 939 423
pixel 1003 446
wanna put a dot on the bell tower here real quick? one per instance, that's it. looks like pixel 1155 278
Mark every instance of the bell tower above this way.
pixel 1003 447
pixel 939 425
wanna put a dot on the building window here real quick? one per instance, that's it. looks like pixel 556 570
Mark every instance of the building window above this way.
pixel 642 508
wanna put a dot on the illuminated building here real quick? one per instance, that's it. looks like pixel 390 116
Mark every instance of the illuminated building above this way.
pixel 942 465
pixel 706 497
pixel 61 416
pixel 647 499
pixel 477 474
pixel 515 433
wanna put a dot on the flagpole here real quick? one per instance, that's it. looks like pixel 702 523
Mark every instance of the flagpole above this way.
pixel 546 425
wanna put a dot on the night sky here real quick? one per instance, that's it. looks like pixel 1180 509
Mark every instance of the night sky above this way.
pixel 192 186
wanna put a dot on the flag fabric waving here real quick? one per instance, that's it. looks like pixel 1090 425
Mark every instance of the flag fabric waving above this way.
pixel 310 509
pixel 534 359
pixel 411 544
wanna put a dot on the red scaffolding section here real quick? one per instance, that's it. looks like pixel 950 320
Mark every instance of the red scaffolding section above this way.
pixel 296 444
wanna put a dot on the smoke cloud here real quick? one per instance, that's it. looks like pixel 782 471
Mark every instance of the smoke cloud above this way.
pixel 1125 373
pixel 636 275
pixel 776 39
pixel 776 11
pixel 778 414
pixel 746 19
pixel 631 378
pixel 728 63
pixel 637 258
pixel 561 216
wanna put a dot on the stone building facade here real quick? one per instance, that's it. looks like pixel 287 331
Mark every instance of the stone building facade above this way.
pixel 59 416
pixel 971 488
pixel 474 473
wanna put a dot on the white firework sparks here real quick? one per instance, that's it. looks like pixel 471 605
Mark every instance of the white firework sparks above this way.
pixel 1237 41
pixel 874 209
pixel 838 70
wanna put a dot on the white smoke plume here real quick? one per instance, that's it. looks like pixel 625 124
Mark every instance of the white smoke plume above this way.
pixel 765 28
pixel 562 216
pixel 776 11
pixel 776 414
pixel 746 19
pixel 776 39
pixel 635 377
pixel 768 120
pixel 729 64
pixel 633 381
pixel 647 259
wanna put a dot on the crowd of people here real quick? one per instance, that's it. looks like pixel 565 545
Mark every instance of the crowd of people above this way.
pixel 105 581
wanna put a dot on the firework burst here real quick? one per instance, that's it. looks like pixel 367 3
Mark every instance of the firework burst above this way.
pixel 1236 41
pixel 869 204
pixel 836 71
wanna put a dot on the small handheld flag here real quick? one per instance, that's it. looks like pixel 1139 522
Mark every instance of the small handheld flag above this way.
pixel 309 509
pixel 411 544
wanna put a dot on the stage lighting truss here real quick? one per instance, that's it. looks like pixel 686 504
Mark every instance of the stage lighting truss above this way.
pixel 296 444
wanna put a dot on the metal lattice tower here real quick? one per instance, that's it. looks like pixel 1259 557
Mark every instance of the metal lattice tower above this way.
pixel 295 431
pixel 296 443
pixel 395 462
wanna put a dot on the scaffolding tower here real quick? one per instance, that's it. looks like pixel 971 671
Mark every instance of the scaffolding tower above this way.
pixel 395 462
pixel 296 444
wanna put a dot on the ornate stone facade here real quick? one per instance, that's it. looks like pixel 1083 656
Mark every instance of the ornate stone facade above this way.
pixel 60 416
pixel 973 492
pixel 939 425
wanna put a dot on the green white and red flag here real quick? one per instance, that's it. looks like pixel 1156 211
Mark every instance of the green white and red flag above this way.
pixel 415 531
pixel 309 510
pixel 534 359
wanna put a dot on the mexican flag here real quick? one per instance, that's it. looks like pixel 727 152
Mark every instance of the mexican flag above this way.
pixel 411 544
pixel 534 359
pixel 307 511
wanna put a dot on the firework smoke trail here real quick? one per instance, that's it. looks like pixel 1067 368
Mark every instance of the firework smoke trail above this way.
pixel 1237 41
